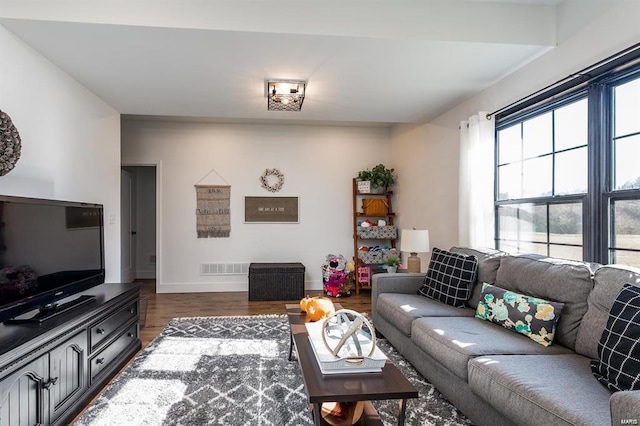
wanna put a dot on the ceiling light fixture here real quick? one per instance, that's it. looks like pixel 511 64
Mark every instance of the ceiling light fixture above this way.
pixel 285 95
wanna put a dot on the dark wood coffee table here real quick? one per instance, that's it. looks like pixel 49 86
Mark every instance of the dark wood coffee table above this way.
pixel 388 384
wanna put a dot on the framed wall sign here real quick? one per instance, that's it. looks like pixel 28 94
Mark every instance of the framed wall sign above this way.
pixel 364 186
pixel 271 210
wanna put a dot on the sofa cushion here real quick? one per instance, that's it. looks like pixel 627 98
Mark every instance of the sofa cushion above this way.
pixel 401 309
pixel 454 341
pixel 535 318
pixel 450 277
pixel 488 263
pixel 541 389
pixel 608 280
pixel 559 280
pixel 618 366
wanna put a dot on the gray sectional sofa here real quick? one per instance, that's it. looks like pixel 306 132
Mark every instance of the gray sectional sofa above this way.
pixel 499 377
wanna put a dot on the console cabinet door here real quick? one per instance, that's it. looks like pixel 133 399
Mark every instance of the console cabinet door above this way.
pixel 67 371
pixel 22 396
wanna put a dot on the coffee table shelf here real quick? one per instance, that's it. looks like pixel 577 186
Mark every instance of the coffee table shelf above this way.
pixel 351 387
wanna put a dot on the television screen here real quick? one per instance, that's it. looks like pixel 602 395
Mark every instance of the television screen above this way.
pixel 48 250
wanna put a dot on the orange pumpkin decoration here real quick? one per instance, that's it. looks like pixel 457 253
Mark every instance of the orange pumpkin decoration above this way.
pixel 304 302
pixel 319 307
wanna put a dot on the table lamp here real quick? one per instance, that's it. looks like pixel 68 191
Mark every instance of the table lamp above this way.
pixel 414 241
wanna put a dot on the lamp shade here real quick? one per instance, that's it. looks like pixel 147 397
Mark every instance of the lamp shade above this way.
pixel 414 240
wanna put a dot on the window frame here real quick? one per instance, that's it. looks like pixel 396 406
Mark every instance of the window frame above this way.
pixel 609 194
pixel 597 202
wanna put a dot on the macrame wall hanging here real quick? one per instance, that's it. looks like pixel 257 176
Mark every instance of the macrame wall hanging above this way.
pixel 213 213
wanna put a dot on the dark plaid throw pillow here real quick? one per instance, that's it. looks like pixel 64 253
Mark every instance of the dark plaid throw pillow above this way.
pixel 450 277
pixel 619 348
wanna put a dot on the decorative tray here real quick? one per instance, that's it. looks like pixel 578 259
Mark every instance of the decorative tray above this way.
pixel 329 364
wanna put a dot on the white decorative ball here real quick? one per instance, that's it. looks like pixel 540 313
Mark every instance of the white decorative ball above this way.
pixel 348 334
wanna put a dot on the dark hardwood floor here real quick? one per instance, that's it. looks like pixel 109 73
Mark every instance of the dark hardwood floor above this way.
pixel 161 308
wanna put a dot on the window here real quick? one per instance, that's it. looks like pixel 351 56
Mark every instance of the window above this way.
pixel 623 199
pixel 568 175
pixel 550 229
pixel 542 181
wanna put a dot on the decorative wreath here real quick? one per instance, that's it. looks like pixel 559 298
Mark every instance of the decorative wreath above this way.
pixel 272 180
pixel 10 145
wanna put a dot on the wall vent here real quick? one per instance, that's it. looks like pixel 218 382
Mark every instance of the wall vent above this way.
pixel 236 268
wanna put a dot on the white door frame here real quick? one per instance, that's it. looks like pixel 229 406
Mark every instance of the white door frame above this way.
pixel 158 166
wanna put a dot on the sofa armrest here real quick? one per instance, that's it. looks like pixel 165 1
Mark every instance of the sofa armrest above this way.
pixel 407 283
pixel 625 408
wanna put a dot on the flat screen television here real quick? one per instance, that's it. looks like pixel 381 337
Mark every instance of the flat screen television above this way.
pixel 49 251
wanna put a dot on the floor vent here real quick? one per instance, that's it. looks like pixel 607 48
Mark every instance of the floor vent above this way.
pixel 238 268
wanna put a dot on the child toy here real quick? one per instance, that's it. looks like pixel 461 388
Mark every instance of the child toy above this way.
pixel 337 276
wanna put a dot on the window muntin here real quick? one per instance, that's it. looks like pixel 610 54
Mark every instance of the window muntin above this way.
pixel 570 125
pixel 626 135
pixel 545 155
pixel 549 229
pixel 571 172
pixel 627 162
pixel 510 185
pixel 510 144
pixel 537 136
pixel 612 196
pixel 566 252
pixel 624 246
pixel 627 108
pixel 624 168
pixel 537 177
pixel 565 224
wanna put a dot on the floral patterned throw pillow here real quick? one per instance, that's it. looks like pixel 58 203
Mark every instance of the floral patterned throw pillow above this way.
pixel 535 318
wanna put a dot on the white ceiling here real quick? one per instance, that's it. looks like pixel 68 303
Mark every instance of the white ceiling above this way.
pixel 366 61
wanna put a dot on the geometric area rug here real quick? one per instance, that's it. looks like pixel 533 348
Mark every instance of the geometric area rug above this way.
pixel 235 371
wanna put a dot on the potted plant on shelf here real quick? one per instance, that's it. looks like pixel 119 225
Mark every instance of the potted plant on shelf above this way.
pixel 392 264
pixel 380 177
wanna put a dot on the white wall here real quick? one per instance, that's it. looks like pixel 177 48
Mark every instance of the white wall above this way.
pixel 430 197
pixel 427 189
pixel 70 138
pixel 318 164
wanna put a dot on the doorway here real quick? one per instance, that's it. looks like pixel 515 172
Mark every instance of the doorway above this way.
pixel 139 223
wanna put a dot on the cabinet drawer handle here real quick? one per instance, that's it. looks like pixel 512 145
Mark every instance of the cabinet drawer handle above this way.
pixel 50 383
pixel 100 361
pixel 100 331
pixel 132 310
pixel 130 334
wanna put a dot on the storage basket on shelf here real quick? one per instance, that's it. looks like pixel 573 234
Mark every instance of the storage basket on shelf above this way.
pixel 375 257
pixel 377 232
pixel 375 206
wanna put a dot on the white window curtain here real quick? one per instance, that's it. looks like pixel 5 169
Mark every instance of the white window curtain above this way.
pixel 475 204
